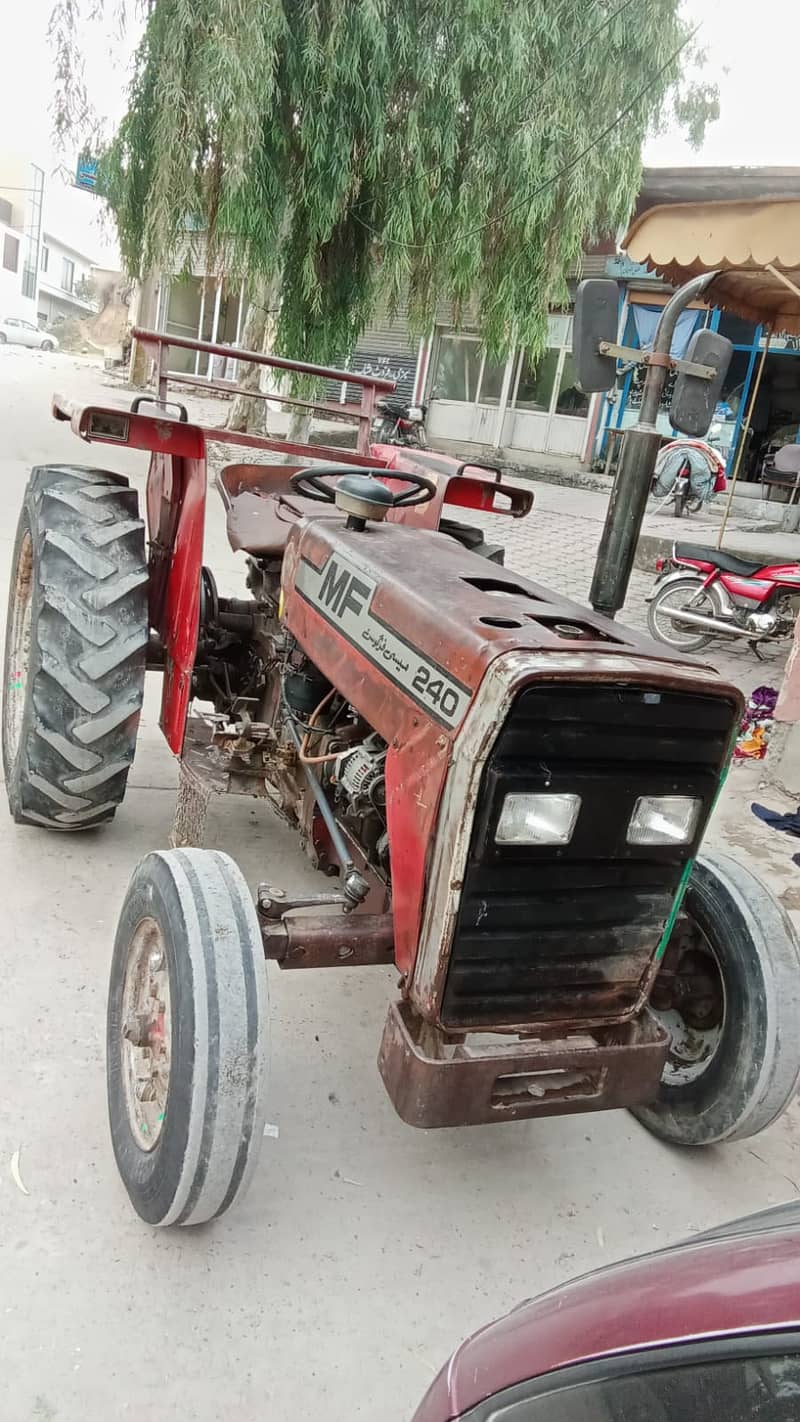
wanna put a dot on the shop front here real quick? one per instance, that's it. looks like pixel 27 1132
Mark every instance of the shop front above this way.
pixel 513 402
pixel 775 418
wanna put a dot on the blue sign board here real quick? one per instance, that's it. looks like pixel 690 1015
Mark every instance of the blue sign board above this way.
pixel 625 270
pixel 86 174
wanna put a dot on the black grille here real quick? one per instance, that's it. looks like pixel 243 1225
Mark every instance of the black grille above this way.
pixel 566 933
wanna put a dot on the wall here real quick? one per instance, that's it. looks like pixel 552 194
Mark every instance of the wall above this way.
pixel 12 302
pixel 56 299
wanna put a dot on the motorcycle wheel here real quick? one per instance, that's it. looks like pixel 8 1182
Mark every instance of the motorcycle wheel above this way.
pixel 680 502
pixel 676 597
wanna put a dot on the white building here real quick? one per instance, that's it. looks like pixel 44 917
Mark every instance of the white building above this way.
pixel 17 257
pixel 65 277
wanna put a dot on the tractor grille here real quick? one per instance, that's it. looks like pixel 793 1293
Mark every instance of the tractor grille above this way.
pixel 565 933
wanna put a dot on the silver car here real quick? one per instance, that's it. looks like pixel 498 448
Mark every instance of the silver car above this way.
pixel 16 331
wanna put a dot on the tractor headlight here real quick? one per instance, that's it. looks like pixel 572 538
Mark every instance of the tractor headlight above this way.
pixel 537 819
pixel 664 819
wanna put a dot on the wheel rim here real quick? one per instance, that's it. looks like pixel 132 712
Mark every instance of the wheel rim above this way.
pixel 682 600
pixel 146 1045
pixel 19 652
pixel 691 990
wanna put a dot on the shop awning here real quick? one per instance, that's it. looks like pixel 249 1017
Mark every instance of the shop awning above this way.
pixel 755 246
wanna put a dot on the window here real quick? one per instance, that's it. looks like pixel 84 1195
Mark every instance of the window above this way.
pixel 458 366
pixel 45 258
pixel 464 372
pixel 571 400
pixel 491 381
pixel 28 281
pixel 67 274
pixel 6 212
pixel 535 389
pixel 10 252
pixel 737 1390
pixel 550 385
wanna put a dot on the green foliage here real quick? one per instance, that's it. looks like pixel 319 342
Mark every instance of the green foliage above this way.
pixel 366 149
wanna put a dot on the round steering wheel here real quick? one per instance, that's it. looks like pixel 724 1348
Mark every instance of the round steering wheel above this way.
pixel 309 483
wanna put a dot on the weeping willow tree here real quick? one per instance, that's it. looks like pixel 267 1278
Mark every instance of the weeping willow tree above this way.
pixel 345 152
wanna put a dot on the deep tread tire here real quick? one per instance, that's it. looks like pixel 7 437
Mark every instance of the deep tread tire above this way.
pixel 755 1072
pixel 69 740
pixel 213 1124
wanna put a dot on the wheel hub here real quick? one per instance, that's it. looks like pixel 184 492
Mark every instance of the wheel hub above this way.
pixel 146 1034
pixel 689 1000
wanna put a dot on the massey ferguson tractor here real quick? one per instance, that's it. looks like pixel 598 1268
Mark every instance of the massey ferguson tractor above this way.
pixel 506 792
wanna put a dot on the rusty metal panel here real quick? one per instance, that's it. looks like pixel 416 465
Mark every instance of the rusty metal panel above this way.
pixel 335 940
pixel 435 1081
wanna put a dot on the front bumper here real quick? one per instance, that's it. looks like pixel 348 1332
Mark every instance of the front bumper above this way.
pixel 438 1080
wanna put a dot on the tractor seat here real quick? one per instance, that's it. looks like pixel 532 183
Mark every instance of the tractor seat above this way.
pixel 726 562
pixel 262 507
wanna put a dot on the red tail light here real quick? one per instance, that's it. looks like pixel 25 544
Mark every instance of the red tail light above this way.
pixel 661 564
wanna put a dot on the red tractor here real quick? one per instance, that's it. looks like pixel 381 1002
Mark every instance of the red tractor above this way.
pixel 507 791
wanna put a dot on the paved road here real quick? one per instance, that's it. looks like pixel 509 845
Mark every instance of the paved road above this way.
pixel 364 1250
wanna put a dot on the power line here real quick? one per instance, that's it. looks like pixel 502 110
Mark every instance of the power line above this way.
pixel 549 182
pixel 571 57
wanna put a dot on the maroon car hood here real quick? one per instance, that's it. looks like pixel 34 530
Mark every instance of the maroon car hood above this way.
pixel 724 1284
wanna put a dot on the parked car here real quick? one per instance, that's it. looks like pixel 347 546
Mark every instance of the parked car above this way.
pixel 699 1332
pixel 16 331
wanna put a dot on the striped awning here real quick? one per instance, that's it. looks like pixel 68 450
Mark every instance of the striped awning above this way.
pixel 755 246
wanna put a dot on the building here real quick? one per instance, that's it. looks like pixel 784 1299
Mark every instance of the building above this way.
pixel 776 417
pixel 21 192
pixel 66 285
pixel 481 405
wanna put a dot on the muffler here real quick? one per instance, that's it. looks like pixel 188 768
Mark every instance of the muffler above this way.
pixel 711 624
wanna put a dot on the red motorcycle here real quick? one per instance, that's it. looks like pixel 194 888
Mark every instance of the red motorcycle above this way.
pixel 702 593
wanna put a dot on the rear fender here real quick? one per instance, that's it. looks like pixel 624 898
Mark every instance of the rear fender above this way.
pixel 677 575
pixel 176 501
pixel 481 489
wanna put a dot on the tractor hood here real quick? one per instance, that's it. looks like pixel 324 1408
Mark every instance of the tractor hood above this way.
pixel 422 609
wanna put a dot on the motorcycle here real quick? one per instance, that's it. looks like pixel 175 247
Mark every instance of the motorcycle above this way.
pixel 703 593
pixel 687 473
pixel 398 422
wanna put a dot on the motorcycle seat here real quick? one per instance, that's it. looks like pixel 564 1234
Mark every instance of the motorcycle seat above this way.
pixel 726 562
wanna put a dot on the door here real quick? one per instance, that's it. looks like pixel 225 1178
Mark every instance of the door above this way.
pixel 30 335
pixel 548 410
pixel 465 390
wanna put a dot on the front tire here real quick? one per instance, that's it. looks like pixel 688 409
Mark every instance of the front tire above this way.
pixel 47 346
pixel 76 640
pixel 187 1037
pixel 734 1063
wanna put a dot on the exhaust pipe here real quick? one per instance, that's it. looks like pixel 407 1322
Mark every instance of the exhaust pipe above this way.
pixel 711 624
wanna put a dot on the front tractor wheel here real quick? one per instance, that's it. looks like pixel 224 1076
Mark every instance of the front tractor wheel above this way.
pixel 728 993
pixel 186 1045
pixel 76 640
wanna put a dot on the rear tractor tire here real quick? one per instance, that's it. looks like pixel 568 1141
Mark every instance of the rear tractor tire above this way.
pixel 733 975
pixel 187 1037
pixel 76 641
